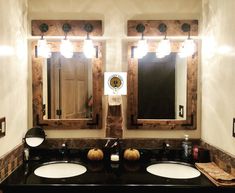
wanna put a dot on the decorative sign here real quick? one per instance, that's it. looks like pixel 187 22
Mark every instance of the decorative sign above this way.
pixel 115 83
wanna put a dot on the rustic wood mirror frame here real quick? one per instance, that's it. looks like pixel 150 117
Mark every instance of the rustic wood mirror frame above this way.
pixel 97 72
pixel 132 96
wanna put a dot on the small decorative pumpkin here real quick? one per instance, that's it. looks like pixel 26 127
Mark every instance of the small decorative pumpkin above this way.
pixel 95 154
pixel 131 154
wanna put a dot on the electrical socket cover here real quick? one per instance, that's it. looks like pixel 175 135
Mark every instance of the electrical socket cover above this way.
pixel 181 110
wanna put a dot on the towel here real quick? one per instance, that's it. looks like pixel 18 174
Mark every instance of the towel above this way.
pixel 218 176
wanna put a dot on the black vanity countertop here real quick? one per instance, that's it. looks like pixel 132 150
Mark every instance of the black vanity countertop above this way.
pixel 107 177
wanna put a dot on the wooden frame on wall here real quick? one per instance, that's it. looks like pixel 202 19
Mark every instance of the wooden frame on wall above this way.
pixel 77 27
pixel 132 79
pixel 55 29
pixel 132 96
pixel 97 72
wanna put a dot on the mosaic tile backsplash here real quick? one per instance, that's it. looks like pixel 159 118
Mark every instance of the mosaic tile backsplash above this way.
pixel 10 161
pixel 126 143
pixel 222 159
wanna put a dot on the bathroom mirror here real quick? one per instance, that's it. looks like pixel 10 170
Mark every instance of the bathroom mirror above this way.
pixel 67 87
pixel 67 92
pixel 162 87
pixel 162 92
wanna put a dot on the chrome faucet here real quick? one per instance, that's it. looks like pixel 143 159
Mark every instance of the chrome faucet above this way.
pixel 165 151
pixel 26 154
pixel 64 150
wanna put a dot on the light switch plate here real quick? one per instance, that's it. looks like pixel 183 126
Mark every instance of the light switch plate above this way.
pixel 2 127
pixel 233 127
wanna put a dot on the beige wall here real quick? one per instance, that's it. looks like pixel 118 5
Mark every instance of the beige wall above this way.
pixel 218 69
pixel 180 85
pixel 115 14
pixel 13 72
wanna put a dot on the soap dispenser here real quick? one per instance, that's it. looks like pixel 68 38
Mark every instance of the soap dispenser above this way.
pixel 187 149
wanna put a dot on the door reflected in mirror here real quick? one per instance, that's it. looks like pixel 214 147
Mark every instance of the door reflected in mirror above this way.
pixel 67 87
pixel 162 87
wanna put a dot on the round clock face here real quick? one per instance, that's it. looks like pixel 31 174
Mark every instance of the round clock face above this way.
pixel 115 82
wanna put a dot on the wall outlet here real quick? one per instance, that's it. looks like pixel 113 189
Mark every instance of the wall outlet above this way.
pixel 181 111
pixel 233 127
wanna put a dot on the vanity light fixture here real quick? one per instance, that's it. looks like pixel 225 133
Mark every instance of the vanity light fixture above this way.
pixel 43 48
pixel 164 46
pixel 88 47
pixel 188 47
pixel 66 47
pixel 142 47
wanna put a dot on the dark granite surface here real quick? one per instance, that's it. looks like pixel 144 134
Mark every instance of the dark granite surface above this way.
pixel 104 176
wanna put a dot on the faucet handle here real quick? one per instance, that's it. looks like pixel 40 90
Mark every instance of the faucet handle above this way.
pixel 114 144
pixel 107 143
pixel 165 145
pixel 64 146
pixel 115 141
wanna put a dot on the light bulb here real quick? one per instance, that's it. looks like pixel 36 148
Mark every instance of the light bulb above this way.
pixel 88 48
pixel 66 48
pixel 43 49
pixel 142 48
pixel 159 55
pixel 163 49
pixel 188 48
pixel 138 53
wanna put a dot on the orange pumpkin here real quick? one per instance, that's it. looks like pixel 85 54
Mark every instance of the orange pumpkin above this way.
pixel 95 154
pixel 131 154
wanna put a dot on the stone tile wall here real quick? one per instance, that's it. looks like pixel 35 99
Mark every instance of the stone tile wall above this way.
pixel 126 143
pixel 222 159
pixel 10 161
pixel 114 122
